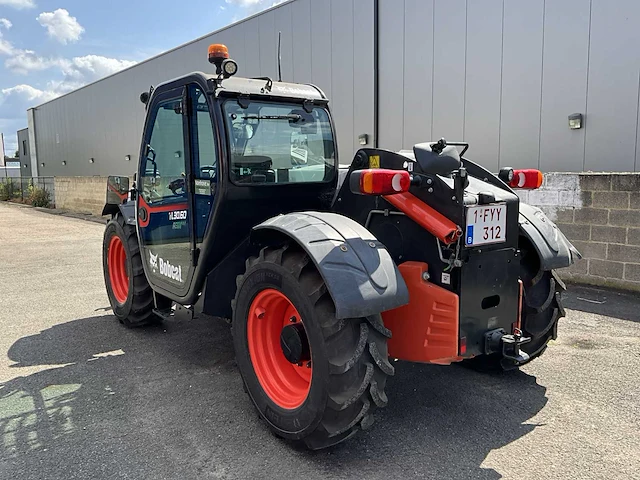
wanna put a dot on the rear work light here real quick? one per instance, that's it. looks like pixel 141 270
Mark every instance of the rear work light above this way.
pixel 379 181
pixel 527 179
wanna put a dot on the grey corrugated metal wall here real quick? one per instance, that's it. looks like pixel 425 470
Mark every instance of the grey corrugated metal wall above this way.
pixel 104 120
pixel 500 74
pixel 505 74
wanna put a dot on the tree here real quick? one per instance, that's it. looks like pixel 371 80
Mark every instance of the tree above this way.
pixel 17 155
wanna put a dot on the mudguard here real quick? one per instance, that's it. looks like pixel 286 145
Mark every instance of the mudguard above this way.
pixel 554 249
pixel 360 275
pixel 128 211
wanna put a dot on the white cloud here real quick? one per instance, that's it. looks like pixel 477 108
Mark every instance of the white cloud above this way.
pixel 93 67
pixel 244 3
pixel 79 70
pixel 26 61
pixel 61 26
pixel 27 93
pixel 254 6
pixel 6 47
pixel 19 4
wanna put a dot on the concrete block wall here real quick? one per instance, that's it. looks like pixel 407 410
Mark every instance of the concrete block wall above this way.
pixel 81 194
pixel 600 214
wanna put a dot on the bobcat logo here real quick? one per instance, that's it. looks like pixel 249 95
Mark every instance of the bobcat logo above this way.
pixel 153 260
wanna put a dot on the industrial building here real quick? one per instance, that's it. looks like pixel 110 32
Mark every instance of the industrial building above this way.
pixel 539 83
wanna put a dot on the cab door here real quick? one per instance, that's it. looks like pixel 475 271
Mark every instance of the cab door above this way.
pixel 164 208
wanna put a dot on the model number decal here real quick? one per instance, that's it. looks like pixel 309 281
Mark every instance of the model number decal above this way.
pixel 178 215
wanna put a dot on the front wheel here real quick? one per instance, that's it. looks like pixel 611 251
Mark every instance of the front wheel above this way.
pixel 128 290
pixel 311 376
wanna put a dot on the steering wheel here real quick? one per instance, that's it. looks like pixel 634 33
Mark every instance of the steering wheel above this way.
pixel 176 185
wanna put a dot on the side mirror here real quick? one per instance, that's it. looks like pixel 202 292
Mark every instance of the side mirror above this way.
pixel 437 161
pixel 117 190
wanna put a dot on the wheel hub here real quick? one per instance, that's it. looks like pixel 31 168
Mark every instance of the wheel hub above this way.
pixel 117 268
pixel 294 343
pixel 279 349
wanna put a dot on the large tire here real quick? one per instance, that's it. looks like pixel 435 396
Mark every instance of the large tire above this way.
pixel 129 292
pixel 541 309
pixel 348 357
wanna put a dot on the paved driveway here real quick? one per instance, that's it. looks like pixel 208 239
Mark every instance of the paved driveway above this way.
pixel 82 398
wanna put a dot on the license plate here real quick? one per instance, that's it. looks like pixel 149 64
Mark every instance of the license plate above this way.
pixel 486 224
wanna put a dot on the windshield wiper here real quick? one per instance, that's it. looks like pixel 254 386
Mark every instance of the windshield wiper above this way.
pixel 291 118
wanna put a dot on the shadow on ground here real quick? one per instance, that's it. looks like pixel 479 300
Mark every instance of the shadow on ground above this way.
pixel 603 301
pixel 167 402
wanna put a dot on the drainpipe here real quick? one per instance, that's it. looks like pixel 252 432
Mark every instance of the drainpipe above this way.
pixel 376 71
pixel 31 123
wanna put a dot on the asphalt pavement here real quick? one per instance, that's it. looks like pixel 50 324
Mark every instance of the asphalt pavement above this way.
pixel 81 397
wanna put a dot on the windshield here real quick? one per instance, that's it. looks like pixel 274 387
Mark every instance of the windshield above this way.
pixel 279 143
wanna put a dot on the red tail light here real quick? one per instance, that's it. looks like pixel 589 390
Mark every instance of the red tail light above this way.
pixel 379 181
pixel 528 179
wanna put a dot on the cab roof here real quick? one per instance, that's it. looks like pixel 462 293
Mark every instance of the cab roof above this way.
pixel 266 86
pixel 254 87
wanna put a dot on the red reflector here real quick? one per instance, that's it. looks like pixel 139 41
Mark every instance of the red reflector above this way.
pixel 529 179
pixel 463 345
pixel 379 181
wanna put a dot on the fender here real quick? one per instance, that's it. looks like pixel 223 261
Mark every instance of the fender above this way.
pixel 127 210
pixel 360 275
pixel 554 249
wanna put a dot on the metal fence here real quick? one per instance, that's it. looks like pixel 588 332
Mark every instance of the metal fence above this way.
pixel 18 188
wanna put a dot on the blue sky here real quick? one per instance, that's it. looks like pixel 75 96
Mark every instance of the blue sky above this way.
pixel 49 47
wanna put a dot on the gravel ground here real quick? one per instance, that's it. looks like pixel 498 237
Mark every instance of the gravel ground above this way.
pixel 83 398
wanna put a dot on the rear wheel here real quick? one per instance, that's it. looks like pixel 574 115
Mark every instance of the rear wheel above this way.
pixel 541 309
pixel 311 376
pixel 128 290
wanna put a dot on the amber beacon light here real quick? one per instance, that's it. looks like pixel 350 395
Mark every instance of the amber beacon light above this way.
pixel 219 56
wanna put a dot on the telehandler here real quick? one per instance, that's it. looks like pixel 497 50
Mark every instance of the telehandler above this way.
pixel 239 209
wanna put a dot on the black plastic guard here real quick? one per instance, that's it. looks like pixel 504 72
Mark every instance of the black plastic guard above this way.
pixel 360 275
pixel 554 249
pixel 128 211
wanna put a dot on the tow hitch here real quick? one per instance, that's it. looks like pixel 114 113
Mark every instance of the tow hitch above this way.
pixel 498 341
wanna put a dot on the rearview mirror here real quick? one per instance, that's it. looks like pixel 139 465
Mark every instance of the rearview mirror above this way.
pixel 117 189
pixel 442 163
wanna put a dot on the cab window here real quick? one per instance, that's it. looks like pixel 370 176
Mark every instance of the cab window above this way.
pixel 163 176
pixel 274 143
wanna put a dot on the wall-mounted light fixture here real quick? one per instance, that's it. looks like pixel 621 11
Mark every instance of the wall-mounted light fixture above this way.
pixel 575 121
pixel 42 164
pixel 92 160
pixel 363 139
pixel 26 166
pixel 127 158
pixel 64 162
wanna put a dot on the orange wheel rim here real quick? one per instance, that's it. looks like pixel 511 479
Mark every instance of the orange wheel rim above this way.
pixel 117 264
pixel 286 384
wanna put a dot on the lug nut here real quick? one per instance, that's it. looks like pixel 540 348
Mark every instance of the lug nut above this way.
pixel 293 319
pixel 308 364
